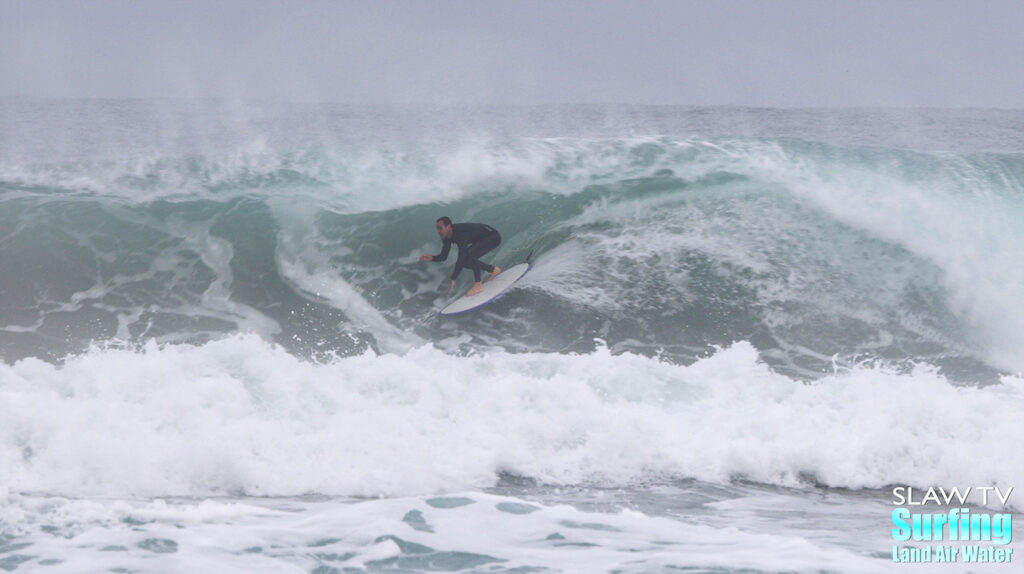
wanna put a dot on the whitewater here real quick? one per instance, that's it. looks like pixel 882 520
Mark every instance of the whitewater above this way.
pixel 742 329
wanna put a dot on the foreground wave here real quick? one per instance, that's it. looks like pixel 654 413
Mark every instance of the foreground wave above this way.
pixel 240 416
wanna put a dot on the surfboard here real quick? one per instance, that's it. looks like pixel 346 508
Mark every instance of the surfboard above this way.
pixel 492 290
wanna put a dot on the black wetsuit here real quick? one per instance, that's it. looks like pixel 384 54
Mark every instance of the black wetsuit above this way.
pixel 474 240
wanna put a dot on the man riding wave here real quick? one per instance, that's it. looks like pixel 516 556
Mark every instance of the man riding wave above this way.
pixel 474 241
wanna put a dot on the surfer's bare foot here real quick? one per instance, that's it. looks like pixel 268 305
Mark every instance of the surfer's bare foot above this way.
pixel 476 288
pixel 494 273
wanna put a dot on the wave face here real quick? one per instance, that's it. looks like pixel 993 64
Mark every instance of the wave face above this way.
pixel 669 245
pixel 251 273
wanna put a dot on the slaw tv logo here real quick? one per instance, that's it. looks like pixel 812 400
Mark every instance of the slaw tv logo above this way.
pixel 954 531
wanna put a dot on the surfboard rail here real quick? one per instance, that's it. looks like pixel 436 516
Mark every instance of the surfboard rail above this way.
pixel 493 289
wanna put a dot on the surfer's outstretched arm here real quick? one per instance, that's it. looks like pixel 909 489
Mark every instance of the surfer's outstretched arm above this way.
pixel 445 248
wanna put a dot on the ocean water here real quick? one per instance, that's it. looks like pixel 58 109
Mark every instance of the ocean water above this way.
pixel 220 353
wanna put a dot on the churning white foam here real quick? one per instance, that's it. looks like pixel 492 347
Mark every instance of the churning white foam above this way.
pixel 467 532
pixel 240 415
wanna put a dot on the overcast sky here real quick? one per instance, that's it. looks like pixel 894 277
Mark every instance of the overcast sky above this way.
pixel 762 53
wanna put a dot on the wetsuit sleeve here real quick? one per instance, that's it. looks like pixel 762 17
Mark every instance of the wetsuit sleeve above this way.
pixel 444 251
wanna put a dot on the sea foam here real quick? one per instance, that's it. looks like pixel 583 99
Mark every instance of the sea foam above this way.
pixel 242 416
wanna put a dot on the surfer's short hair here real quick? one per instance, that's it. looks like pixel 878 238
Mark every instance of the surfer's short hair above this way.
pixel 445 219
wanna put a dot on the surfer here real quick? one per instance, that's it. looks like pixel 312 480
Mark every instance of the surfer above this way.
pixel 474 240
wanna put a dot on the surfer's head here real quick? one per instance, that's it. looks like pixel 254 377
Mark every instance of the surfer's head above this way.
pixel 444 227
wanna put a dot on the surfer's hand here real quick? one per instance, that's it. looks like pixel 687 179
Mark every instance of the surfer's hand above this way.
pixel 426 257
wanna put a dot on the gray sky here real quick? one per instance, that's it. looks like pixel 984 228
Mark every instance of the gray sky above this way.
pixel 785 53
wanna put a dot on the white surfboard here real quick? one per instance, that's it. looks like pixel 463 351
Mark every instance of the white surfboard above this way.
pixel 492 290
